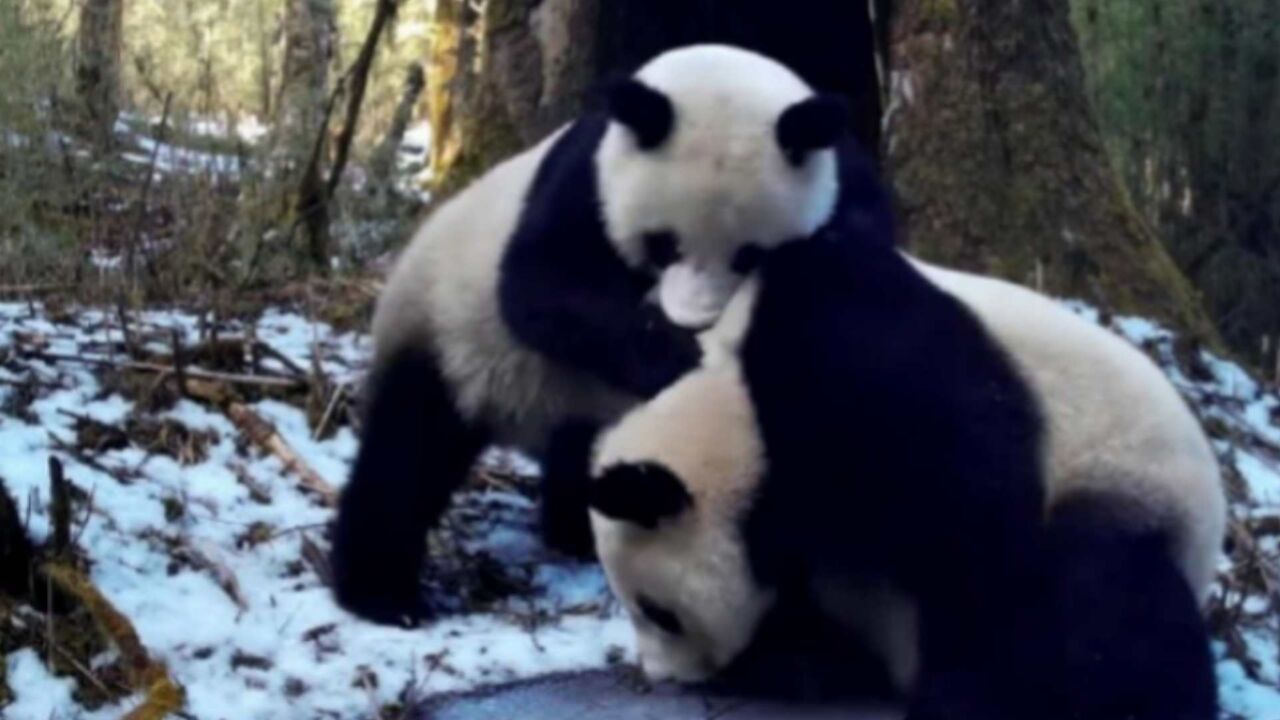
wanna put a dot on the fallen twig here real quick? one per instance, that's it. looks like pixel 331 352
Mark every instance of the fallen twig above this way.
pixel 222 574
pixel 264 435
pixel 122 475
pixel 323 425
pixel 162 695
pixel 191 373
pixel 280 357
pixel 31 618
pixel 316 558
pixel 59 508
pixel 257 491
pixel 33 289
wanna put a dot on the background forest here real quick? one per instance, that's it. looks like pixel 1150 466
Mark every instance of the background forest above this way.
pixel 245 92
pixel 198 199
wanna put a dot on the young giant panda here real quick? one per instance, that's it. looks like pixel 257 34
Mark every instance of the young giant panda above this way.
pixel 526 302
pixel 1010 505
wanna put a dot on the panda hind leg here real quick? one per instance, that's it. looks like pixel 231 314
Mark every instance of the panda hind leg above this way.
pixel 416 450
pixel 1116 633
pixel 566 480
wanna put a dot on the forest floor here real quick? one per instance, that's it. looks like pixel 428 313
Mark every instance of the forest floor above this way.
pixel 179 538
pixel 170 479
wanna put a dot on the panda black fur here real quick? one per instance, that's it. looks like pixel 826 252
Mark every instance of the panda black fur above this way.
pixel 551 289
pixel 1012 506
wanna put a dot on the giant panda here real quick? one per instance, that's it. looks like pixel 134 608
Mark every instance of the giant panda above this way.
pixel 562 286
pixel 1008 504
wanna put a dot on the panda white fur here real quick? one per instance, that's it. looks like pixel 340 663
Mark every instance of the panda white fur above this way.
pixel 1105 626
pixel 561 286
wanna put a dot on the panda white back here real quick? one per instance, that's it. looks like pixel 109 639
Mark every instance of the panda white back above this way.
pixel 1114 423
pixel 443 293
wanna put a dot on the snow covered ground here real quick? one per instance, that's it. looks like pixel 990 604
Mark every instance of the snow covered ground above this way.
pixel 209 549
pixel 282 648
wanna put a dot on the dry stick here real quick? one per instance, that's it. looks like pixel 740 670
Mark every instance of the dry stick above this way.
pixel 328 412
pixel 191 373
pixel 163 696
pixel 317 559
pixel 30 615
pixel 131 250
pixel 257 491
pixel 33 289
pixel 265 436
pixel 222 575
pixel 88 515
pixel 119 474
pixel 59 507
pixel 179 370
pixel 288 362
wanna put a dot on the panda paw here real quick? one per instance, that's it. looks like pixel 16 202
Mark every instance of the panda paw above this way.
pixel 367 584
pixel 668 353
pixel 398 609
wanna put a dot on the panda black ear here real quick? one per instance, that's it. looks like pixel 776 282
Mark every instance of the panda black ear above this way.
pixel 812 124
pixel 647 112
pixel 641 493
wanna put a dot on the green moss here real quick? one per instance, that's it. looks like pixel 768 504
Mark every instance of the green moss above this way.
pixel 939 12
pixel 500 14
pixel 487 137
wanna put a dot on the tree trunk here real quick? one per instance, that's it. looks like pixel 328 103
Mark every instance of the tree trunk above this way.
pixel 99 43
pixel 504 73
pixel 999 165
pixel 304 81
pixel 382 162
pixel 302 111
pixel 501 75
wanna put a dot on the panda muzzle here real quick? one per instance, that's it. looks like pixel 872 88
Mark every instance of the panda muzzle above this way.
pixel 693 297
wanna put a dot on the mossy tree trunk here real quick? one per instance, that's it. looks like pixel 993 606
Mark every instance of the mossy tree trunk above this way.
pixel 999 165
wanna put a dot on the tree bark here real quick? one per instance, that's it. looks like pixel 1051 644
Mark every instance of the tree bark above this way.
pixel 299 141
pixel 382 163
pixel 304 82
pixel 99 43
pixel 999 164
pixel 504 73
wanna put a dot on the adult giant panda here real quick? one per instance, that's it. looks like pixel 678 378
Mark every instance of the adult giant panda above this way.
pixel 1011 505
pixel 526 302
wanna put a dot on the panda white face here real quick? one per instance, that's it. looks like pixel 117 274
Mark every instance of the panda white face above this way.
pixel 672 481
pixel 714 156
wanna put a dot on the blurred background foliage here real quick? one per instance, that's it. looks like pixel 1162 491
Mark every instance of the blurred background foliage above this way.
pixel 1187 95
pixel 189 191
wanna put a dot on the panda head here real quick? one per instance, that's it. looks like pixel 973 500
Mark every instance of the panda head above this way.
pixel 713 156
pixel 671 484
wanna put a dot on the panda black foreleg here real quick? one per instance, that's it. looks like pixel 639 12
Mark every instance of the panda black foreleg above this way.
pixel 975 575
pixel 589 315
pixel 416 449
pixel 1117 633
pixel 565 500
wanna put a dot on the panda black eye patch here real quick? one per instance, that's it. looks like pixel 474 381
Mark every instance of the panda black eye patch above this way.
pixel 660 616
pixel 661 249
pixel 747 258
